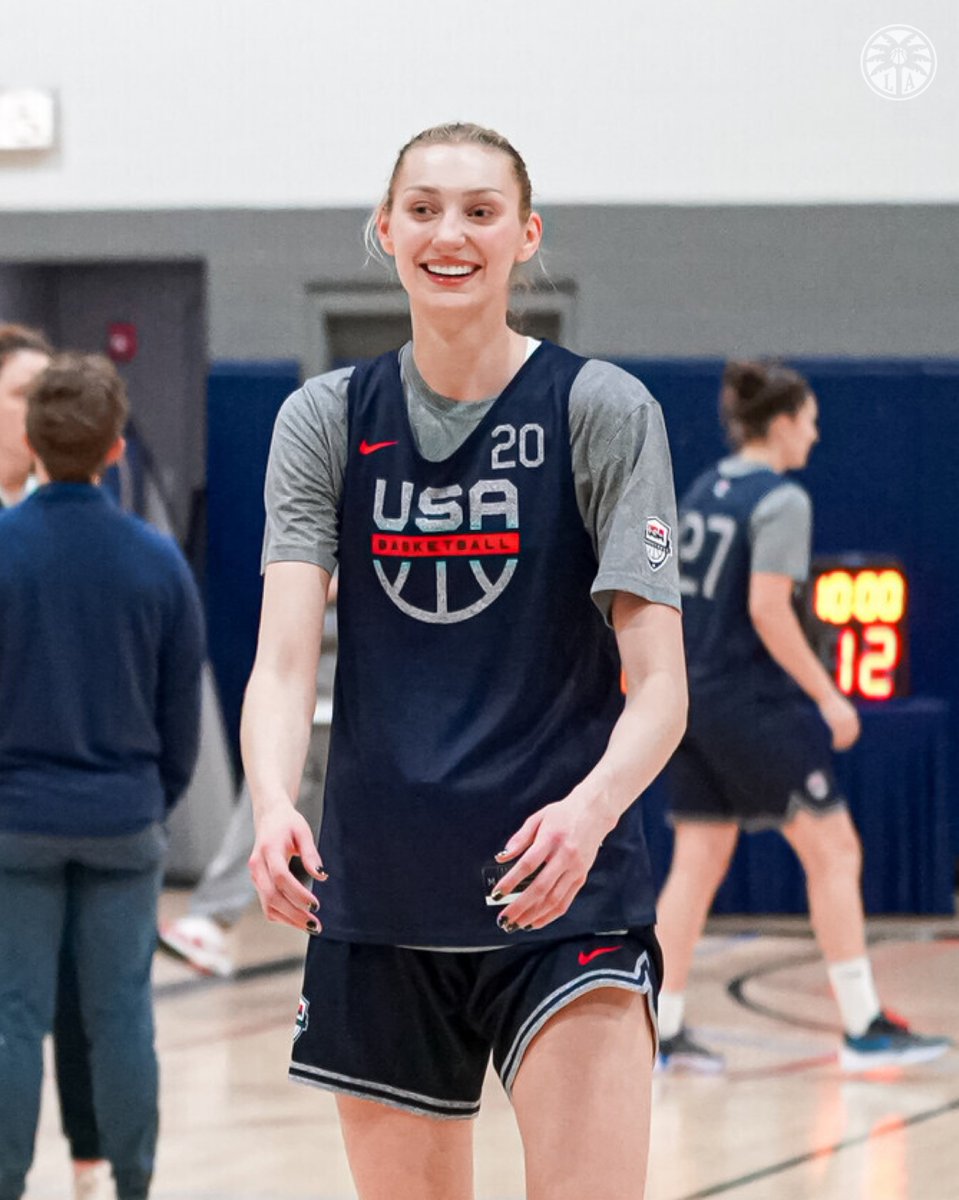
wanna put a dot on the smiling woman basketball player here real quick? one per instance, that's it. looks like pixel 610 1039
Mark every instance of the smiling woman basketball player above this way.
pixel 502 515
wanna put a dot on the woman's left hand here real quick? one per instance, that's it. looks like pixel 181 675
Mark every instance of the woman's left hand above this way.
pixel 563 839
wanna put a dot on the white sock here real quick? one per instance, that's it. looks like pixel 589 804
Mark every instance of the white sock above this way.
pixel 855 993
pixel 670 1013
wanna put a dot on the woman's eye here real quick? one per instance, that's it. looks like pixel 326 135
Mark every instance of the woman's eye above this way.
pixel 481 212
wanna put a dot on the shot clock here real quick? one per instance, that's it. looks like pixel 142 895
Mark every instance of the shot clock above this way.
pixel 855 610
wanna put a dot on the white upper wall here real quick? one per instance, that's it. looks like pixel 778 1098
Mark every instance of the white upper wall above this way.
pixel 303 103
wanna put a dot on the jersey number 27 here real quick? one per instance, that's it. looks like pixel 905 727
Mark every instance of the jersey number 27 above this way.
pixel 694 542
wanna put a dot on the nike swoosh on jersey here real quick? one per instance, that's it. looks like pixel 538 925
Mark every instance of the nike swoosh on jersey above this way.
pixel 371 447
pixel 588 958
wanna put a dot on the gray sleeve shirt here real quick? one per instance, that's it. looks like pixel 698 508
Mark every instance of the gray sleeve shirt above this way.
pixel 621 470
pixel 780 530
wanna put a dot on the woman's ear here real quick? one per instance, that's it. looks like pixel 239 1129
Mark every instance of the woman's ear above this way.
pixel 532 236
pixel 383 231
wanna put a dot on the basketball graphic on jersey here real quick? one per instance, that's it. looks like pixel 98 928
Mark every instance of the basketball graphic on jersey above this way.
pixel 444 554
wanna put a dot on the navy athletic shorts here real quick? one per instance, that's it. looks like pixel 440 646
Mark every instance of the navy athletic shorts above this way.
pixel 752 764
pixel 415 1028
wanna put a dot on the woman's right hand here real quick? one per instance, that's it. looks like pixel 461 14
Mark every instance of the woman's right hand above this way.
pixel 843 720
pixel 281 834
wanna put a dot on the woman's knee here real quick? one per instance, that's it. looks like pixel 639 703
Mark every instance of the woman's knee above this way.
pixel 397 1155
pixel 702 852
pixel 828 847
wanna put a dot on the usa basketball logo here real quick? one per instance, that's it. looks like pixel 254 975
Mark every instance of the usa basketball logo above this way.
pixel 658 539
pixel 463 555
pixel 302 1018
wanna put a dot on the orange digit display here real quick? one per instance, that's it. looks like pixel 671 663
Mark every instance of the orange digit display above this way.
pixel 856 610
pixel 847 650
pixel 879 661
pixel 865 596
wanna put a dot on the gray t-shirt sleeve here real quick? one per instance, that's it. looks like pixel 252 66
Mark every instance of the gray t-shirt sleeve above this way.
pixel 624 485
pixel 780 531
pixel 304 476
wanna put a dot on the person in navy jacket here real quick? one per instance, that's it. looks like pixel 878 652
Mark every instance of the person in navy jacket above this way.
pixel 101 646
pixel 502 515
pixel 24 353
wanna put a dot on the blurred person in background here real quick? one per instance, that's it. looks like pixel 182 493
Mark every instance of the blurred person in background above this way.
pixel 764 718
pixel 101 648
pixel 24 354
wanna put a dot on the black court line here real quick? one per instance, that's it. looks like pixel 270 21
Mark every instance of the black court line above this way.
pixel 736 986
pixel 199 983
pixel 736 989
pixel 788 1164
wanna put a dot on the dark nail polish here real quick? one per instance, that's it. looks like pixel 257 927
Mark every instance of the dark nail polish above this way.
pixel 496 897
pixel 314 906
pixel 527 928
pixel 312 926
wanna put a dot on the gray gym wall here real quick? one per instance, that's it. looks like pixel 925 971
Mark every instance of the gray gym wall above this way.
pixel 657 281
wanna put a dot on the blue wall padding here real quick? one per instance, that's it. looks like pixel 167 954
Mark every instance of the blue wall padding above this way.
pixel 895 780
pixel 884 479
pixel 243 399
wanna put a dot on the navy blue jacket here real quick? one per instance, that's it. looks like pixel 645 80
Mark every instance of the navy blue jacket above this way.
pixel 101 648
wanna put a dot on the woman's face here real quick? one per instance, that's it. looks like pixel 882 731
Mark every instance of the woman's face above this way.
pixel 799 433
pixel 455 229
pixel 17 372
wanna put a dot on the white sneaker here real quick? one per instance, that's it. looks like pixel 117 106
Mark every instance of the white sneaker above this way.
pixel 199 942
pixel 93 1181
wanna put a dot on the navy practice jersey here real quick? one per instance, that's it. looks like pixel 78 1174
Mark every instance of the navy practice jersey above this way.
pixel 724 653
pixel 476 680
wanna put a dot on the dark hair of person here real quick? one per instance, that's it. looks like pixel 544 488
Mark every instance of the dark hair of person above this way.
pixel 20 337
pixel 76 410
pixel 458 133
pixel 753 394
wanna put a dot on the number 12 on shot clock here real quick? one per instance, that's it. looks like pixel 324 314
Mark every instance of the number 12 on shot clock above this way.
pixel 855 609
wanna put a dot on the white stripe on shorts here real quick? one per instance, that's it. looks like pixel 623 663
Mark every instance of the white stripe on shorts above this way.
pixel 637 980
pixel 368 1090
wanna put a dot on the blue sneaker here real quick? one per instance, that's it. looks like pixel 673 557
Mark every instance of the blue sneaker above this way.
pixel 683 1053
pixel 889 1043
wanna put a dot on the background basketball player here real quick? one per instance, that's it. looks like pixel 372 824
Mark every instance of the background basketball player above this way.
pixel 763 712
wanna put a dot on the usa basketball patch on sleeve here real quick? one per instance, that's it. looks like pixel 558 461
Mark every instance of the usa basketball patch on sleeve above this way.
pixel 658 540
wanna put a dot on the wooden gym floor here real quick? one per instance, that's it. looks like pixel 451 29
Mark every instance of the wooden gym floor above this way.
pixel 781 1124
